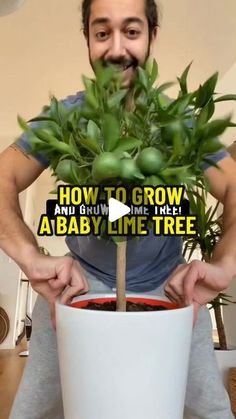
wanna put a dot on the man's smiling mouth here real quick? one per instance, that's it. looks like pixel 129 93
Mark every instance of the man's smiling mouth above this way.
pixel 121 66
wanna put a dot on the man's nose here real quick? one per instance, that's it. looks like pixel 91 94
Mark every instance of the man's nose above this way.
pixel 117 47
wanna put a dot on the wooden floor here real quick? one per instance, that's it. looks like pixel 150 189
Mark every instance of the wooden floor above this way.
pixel 11 368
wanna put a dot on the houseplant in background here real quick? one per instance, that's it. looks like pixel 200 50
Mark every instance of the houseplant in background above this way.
pixel 208 232
pixel 127 138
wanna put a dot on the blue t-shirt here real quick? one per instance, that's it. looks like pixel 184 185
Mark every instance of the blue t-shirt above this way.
pixel 150 259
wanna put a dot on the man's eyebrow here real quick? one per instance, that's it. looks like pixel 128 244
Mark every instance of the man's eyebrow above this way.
pixel 134 20
pixel 105 20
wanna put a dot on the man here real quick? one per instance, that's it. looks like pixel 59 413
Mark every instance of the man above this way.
pixel 121 32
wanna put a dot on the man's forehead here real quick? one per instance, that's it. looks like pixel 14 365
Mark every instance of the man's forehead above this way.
pixel 123 10
pixel 107 20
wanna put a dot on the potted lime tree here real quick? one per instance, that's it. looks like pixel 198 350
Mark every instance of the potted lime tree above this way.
pixel 130 138
pixel 123 137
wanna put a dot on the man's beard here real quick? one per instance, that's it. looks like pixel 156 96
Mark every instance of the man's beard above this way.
pixel 121 63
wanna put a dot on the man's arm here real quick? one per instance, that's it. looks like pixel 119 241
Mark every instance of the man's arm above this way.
pixel 49 276
pixel 18 171
pixel 223 188
pixel 200 282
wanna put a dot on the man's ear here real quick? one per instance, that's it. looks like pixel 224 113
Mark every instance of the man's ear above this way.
pixel 153 38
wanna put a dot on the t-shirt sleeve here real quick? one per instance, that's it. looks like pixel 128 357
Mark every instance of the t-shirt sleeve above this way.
pixel 215 157
pixel 24 142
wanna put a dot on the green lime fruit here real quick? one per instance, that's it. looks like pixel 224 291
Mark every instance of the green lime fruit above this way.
pixel 105 166
pixel 68 171
pixel 150 160
pixel 168 131
pixel 129 170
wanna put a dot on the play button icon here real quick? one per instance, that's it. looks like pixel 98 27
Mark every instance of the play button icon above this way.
pixel 116 209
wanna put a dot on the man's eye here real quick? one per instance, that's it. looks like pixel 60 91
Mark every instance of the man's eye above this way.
pixel 102 35
pixel 133 33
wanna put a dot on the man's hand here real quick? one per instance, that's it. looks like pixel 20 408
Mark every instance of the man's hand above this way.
pixel 54 276
pixel 196 282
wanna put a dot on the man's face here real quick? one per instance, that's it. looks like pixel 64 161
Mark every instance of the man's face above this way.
pixel 118 34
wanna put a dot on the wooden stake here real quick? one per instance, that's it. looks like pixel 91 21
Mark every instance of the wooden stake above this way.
pixel 121 275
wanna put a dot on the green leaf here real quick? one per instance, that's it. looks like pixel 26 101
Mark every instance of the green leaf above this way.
pixel 225 98
pixel 45 135
pixel 57 110
pixel 139 175
pixel 126 144
pixel 93 131
pixel 115 99
pixel 52 141
pixel 88 83
pixel 91 99
pixel 43 119
pixel 164 87
pixel 183 80
pixel 90 96
pixel 206 113
pixel 37 144
pixel 90 144
pixel 206 91
pixel 213 129
pixel 178 148
pixel 54 106
pixel 154 73
pixel 81 174
pixel 163 100
pixel 23 124
pixel 103 74
pixel 179 105
pixel 169 171
pixel 111 131
pixel 194 247
pixel 163 117
pixel 151 68
pixel 143 78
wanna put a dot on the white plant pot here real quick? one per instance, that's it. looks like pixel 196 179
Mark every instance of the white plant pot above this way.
pixel 226 360
pixel 117 365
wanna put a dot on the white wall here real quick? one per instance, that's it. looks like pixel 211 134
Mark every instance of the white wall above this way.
pixel 226 85
pixel 9 290
pixel 43 50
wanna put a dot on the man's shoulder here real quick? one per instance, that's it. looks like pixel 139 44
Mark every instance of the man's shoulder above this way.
pixel 24 141
pixel 74 100
pixel 69 101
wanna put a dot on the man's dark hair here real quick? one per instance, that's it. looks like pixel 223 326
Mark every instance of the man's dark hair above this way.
pixel 151 11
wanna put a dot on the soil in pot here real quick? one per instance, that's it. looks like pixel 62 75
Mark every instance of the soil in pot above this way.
pixel 132 305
